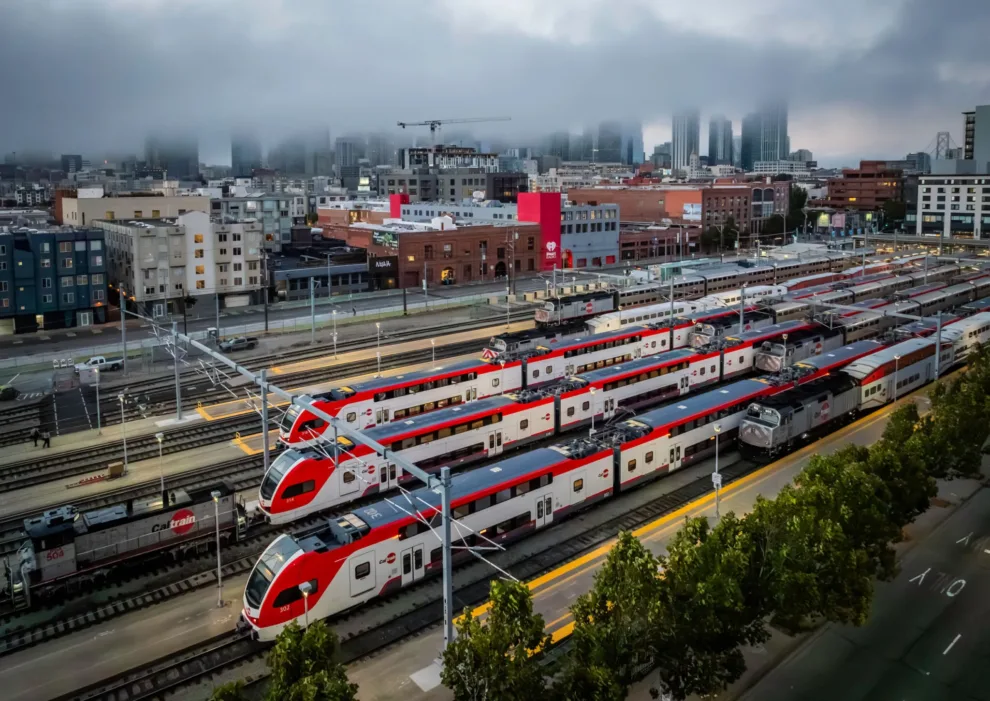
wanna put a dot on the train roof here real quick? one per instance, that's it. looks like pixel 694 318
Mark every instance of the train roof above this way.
pixel 388 511
pixel 974 320
pixel 924 326
pixel 706 314
pixel 67 518
pixel 637 365
pixel 411 377
pixel 686 408
pixel 772 330
pixel 865 366
pixel 977 306
pixel 582 297
pixel 589 338
pixel 840 356
pixel 794 397
pixel 386 433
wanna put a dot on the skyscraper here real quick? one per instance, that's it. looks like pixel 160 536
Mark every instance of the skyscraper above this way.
pixel 350 149
pixel 719 141
pixel 245 154
pixel 686 138
pixel 764 135
pixel 632 143
pixel 583 147
pixel 177 156
pixel 559 145
pixel 609 143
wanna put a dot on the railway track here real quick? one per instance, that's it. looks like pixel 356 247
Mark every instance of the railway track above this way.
pixel 373 628
pixel 96 458
pixel 157 395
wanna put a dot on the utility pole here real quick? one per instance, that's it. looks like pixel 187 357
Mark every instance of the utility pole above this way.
pixel 218 319
pixel 742 307
pixel 123 322
pixel 312 311
pixel 448 574
pixel 175 362
pixel 938 344
pixel 264 283
pixel 264 419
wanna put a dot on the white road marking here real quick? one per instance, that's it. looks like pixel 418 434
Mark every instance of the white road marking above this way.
pixel 921 577
pixel 987 552
pixel 965 541
pixel 954 640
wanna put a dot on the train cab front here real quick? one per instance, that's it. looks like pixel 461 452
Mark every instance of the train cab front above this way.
pixel 296 485
pixel 299 427
pixel 269 597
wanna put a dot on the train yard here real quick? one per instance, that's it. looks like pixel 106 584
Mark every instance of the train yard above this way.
pixel 605 388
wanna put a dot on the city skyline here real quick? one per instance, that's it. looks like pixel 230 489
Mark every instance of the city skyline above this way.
pixel 875 81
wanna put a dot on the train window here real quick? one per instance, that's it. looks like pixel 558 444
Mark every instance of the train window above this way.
pixel 494 382
pixel 482 503
pixel 585 406
pixel 363 570
pixel 578 485
pixel 398 414
pixel 418 559
pixel 522 488
pixel 503 495
pixel 570 411
pixel 713 369
pixel 536 373
pixel 295 490
pixel 429 406
pixel 702 371
pixel 524 424
pixel 549 369
pixel 546 479
pixel 460 429
pixel 435 556
pixel 461 511
pixel 649 457
pixel 631 465
pixel 348 477
pixel 351 417
pixel 292 595
pixel 653 344
pixel 475 425
pixel 408 443
pixel 427 438
pixel 444 432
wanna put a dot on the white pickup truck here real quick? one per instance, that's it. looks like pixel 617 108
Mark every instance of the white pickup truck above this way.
pixel 99 361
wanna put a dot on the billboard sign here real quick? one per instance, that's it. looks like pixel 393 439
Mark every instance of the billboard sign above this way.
pixel 691 212
pixel 823 220
pixel 839 221
pixel 386 239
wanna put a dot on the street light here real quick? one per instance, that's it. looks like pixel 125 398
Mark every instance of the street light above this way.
pixel 216 517
pixel 99 425
pixel 161 470
pixel 716 477
pixel 433 347
pixel 592 431
pixel 334 316
pixel 501 381
pixel 783 354
pixel 306 588
pixel 507 307
pixel 897 360
pixel 123 427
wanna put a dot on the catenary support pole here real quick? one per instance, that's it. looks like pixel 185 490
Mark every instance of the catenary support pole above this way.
pixel 938 344
pixel 448 573
pixel 264 420
pixel 312 312
pixel 742 307
pixel 123 323
pixel 175 363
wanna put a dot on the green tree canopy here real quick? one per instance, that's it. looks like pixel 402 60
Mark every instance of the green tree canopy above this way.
pixel 232 691
pixel 612 638
pixel 500 657
pixel 304 666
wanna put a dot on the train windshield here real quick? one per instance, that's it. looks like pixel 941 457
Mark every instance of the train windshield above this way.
pixel 269 564
pixel 276 472
pixel 762 415
pixel 290 416
pixel 342 393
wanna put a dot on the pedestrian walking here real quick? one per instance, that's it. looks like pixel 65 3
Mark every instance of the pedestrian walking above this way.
pixel 353 311
pixel 46 438
pixel 35 435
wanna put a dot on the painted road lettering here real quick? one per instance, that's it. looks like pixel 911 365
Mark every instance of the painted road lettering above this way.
pixel 943 583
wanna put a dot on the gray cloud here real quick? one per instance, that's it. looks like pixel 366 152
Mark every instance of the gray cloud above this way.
pixel 101 74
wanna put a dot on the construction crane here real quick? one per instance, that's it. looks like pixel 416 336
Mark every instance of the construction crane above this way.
pixel 434 124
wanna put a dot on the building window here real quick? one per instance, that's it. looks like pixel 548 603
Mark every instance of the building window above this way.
pixel 82 280
pixel 200 270
pixel 46 283
pixel 237 251
pixel 97 261
pixel 3 285
pixel 200 285
pixel 67 282
pixel 238 267
pixel 65 247
pixel 198 253
pixel 238 281
pixel 138 214
pixel 109 214
pixel 68 297
pixel 156 213
pixel 197 238
pixel 96 279
pixel 46 262
pixel 46 299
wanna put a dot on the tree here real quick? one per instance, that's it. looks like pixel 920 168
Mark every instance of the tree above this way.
pixel 232 691
pixel 894 212
pixel 703 615
pixel 304 666
pixel 611 642
pixel 898 462
pixel 797 200
pixel 713 239
pixel 499 658
pixel 955 428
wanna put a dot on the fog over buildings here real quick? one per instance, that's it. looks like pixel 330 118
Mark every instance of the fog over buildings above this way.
pixel 875 78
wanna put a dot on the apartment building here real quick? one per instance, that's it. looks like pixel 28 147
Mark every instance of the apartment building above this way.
pixel 85 205
pixel 161 261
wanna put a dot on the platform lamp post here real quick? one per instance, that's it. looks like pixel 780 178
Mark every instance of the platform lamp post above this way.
pixel 507 308
pixel 160 437
pixel 306 588
pixel 501 381
pixel 216 517
pixel 123 427
pixel 783 354
pixel 716 476
pixel 99 425
pixel 433 348
pixel 333 315
pixel 897 360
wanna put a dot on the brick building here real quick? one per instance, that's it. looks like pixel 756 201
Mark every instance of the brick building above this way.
pixel 865 189
pixel 448 253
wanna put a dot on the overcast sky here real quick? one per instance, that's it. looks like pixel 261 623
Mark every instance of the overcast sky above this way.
pixel 864 78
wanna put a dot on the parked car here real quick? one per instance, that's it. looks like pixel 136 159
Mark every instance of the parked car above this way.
pixel 8 392
pixel 239 343
pixel 104 364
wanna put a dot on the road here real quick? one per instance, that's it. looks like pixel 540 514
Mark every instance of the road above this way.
pixel 928 638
